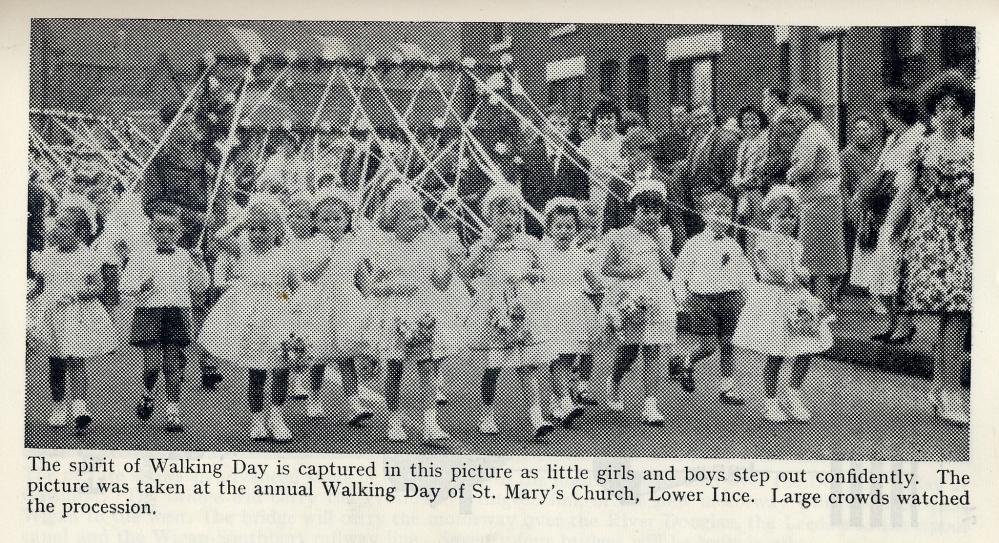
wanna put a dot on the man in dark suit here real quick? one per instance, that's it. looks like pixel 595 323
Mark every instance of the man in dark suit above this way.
pixel 709 166
pixel 551 170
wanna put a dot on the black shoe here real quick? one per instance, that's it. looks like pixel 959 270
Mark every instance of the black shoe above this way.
pixel 729 398
pixel 687 379
pixel 173 425
pixel 145 409
pixel 572 416
pixel 675 368
pixel 210 380
pixel 82 422
pixel 583 397
pixel 543 431
pixel 903 340
pixel 883 337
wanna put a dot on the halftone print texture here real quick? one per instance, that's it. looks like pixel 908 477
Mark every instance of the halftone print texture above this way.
pixel 349 237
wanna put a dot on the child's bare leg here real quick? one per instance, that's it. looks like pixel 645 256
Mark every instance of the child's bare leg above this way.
pixel 652 369
pixel 348 375
pixel 172 368
pixel 529 385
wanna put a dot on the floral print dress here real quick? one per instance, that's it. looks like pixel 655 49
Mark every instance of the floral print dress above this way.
pixel 938 247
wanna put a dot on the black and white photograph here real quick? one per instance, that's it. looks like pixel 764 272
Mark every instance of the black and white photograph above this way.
pixel 500 238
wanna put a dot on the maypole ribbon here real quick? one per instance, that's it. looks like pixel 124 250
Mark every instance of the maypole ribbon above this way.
pixel 404 126
pixel 227 147
pixel 174 122
pixel 357 99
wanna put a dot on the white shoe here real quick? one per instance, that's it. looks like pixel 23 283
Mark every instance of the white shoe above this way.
pixel 541 426
pixel 555 409
pixel 877 305
pixel 173 424
pixel 431 429
pixel 614 403
pixel 951 409
pixel 81 417
pixel 396 432
pixel 367 394
pixel 332 375
pixel 488 423
pixel 651 414
pixel 275 423
pixel 60 413
pixel 298 390
pixel 795 407
pixel 358 413
pixel 314 408
pixel 258 427
pixel 772 411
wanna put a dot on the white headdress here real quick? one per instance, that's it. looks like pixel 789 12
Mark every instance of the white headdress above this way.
pixel 500 191
pixel 781 191
pixel 647 185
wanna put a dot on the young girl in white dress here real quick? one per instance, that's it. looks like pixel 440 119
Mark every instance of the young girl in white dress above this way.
pixel 570 313
pixel 399 278
pixel 339 308
pixel 251 324
pixel 781 320
pixel 302 245
pixel 76 324
pixel 453 302
pixel 638 306
pixel 504 322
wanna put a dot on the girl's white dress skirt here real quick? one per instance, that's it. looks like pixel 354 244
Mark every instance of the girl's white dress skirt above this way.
pixel 763 324
pixel 657 325
pixel 249 325
pixel 451 313
pixel 78 330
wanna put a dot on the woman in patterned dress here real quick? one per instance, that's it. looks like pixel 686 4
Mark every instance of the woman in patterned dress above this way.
pixel 938 250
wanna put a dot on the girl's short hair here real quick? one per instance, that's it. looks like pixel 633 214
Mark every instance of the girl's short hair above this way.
pixel 606 108
pixel 561 206
pixel 902 106
pixel 650 199
pixel 809 101
pixel 764 121
pixel 949 83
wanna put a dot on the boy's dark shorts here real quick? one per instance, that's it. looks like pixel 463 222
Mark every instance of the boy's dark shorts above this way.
pixel 159 327
pixel 712 314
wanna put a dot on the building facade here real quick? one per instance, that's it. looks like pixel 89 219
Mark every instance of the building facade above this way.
pixel 651 68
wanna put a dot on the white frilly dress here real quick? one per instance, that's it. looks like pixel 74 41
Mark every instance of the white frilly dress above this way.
pixel 569 312
pixel 254 317
pixel 657 324
pixel 77 330
pixel 766 322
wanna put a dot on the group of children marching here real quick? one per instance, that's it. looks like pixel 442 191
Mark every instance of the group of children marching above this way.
pixel 315 285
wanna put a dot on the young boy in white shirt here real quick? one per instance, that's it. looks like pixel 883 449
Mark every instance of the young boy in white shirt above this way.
pixel 162 278
pixel 711 276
